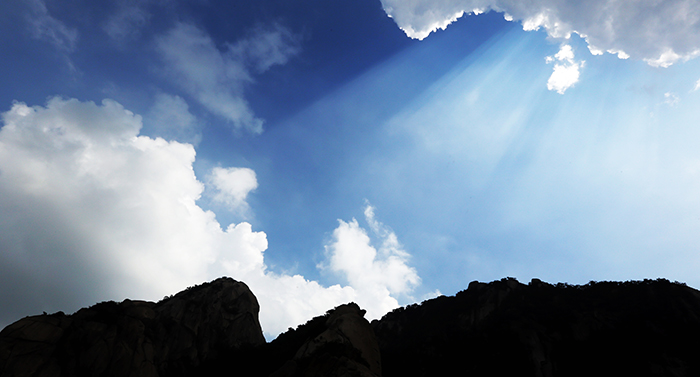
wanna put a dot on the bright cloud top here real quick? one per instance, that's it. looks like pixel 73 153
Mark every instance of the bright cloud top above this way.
pixel 232 186
pixel 566 70
pixel 376 274
pixel 113 214
pixel 659 32
pixel 215 78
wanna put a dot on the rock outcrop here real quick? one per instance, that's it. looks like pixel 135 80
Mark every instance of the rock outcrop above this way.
pixel 346 347
pixel 135 338
pixel 340 343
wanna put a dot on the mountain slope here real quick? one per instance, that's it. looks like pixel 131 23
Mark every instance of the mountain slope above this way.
pixel 647 328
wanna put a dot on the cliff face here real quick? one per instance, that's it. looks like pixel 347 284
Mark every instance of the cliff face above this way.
pixel 135 338
pixel 649 328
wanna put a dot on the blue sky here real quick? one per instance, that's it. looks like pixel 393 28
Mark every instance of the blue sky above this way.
pixel 381 152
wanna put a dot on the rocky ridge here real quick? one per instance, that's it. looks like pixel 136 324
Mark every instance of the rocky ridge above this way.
pixel 640 328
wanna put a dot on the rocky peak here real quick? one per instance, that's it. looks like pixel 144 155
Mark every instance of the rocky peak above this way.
pixel 222 314
pixel 135 338
pixel 346 347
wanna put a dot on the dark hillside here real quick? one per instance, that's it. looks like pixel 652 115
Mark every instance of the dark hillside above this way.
pixel 502 328
pixel 643 328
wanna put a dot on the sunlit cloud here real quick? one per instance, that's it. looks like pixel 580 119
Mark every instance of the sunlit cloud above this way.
pixel 661 33
pixel 97 211
pixel 566 70
pixel 377 274
pixel 232 186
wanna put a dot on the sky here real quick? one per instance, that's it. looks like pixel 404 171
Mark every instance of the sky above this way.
pixel 321 151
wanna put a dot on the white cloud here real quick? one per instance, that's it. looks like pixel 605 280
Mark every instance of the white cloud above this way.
pixel 665 60
pixel 46 27
pixel 119 198
pixel 94 211
pixel 232 186
pixel 378 275
pixel 697 85
pixel 265 48
pixel 566 53
pixel 126 21
pixel 659 32
pixel 620 54
pixel 566 70
pixel 216 79
pixel 171 119
pixel 671 99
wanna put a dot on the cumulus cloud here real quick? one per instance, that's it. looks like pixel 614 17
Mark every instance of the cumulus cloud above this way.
pixel 93 211
pixel 659 32
pixel 89 190
pixel 216 78
pixel 566 70
pixel 378 275
pixel 232 186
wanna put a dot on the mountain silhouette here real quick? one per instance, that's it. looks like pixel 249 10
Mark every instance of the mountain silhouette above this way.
pixel 502 328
